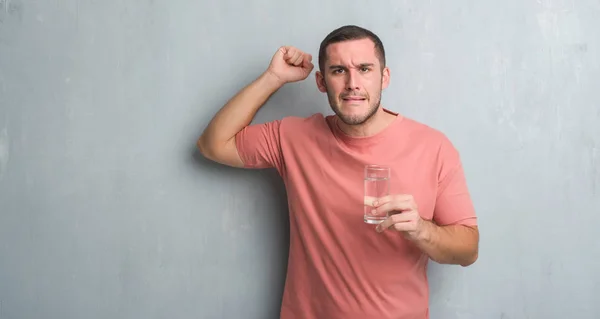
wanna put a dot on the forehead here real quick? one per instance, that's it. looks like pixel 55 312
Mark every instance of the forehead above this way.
pixel 352 52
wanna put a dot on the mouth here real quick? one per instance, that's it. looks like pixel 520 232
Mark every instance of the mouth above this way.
pixel 353 98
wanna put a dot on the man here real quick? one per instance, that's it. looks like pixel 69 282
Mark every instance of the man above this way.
pixel 339 266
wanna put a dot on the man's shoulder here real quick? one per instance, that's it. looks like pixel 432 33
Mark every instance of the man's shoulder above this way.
pixel 432 139
pixel 311 119
pixel 422 132
pixel 312 123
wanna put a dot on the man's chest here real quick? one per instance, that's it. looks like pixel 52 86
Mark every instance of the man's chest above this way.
pixel 338 186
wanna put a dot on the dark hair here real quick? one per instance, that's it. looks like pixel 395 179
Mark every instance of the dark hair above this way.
pixel 350 32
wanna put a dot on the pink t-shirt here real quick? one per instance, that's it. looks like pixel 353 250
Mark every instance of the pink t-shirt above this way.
pixel 338 266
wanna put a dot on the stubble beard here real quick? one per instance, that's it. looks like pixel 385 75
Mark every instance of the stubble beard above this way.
pixel 354 119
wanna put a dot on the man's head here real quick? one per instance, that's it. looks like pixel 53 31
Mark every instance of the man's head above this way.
pixel 353 73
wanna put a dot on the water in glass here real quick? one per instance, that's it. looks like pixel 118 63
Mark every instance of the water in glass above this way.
pixel 377 184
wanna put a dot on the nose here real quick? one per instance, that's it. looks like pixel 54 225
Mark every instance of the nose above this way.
pixel 352 81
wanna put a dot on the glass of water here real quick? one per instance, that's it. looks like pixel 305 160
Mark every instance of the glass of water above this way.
pixel 377 184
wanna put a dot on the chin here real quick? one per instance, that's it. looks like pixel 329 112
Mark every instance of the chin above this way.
pixel 353 114
pixel 353 118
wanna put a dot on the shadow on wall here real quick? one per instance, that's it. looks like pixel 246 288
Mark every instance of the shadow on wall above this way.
pixel 267 180
pixel 272 236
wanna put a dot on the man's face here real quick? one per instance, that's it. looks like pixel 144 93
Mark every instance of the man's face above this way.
pixel 353 79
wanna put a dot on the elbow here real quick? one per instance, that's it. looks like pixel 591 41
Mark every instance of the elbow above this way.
pixel 201 145
pixel 470 260
pixel 472 253
pixel 204 148
pixel 212 150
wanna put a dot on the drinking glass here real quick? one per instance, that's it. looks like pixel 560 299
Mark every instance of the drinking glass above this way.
pixel 377 184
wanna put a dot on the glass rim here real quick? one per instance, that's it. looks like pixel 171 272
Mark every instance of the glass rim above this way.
pixel 373 167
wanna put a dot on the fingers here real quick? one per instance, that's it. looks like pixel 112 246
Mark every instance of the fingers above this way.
pixel 389 207
pixel 400 222
pixel 396 203
pixel 389 198
pixel 293 56
pixel 296 57
pixel 370 201
pixel 401 210
pixel 307 62
pixel 393 220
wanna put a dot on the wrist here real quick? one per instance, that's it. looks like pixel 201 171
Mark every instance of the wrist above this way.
pixel 272 80
pixel 426 233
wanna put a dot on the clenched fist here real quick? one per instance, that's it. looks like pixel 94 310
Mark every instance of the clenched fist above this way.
pixel 290 65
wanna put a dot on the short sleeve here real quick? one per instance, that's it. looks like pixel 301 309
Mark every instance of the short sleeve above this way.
pixel 453 203
pixel 259 145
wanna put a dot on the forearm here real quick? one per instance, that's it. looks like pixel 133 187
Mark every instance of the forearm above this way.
pixel 453 244
pixel 238 112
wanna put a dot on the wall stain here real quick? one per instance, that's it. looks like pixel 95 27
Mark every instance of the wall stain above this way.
pixel 2 11
pixel 10 9
pixel 14 7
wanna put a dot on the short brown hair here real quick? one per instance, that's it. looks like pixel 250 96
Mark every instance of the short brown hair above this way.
pixel 346 33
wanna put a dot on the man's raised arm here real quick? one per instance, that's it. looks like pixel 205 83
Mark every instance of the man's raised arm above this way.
pixel 217 142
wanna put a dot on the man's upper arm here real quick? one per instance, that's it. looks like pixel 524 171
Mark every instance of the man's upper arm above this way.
pixel 259 145
pixel 453 203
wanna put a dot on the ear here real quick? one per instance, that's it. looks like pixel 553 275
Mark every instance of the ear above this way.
pixel 385 79
pixel 320 81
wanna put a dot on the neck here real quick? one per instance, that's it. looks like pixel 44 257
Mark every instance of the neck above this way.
pixel 379 121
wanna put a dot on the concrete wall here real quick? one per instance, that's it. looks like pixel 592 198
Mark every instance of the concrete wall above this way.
pixel 107 211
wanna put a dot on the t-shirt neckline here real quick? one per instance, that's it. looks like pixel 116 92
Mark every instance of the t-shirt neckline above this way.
pixel 366 140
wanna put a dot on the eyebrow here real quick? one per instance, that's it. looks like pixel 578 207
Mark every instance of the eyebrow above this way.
pixel 362 65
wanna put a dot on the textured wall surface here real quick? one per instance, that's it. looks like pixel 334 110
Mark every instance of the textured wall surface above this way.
pixel 107 211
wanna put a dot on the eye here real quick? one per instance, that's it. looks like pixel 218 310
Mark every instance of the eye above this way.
pixel 364 69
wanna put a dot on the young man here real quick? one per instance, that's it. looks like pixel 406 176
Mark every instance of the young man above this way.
pixel 339 266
